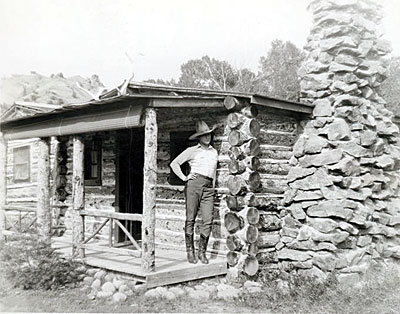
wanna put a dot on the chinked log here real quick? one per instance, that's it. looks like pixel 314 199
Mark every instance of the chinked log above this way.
pixel 234 243
pixel 235 203
pixel 235 153
pixel 252 179
pixel 232 258
pixel 250 129
pixel 252 162
pixel 251 148
pixel 248 234
pixel 250 214
pixel 249 264
pixel 236 185
pixel 233 104
pixel 233 222
pixel 236 167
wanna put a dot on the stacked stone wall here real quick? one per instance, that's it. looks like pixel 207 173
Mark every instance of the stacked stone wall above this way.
pixel 342 208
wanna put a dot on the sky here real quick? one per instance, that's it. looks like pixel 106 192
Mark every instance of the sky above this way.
pixel 85 37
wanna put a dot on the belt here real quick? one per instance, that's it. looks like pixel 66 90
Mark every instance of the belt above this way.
pixel 203 176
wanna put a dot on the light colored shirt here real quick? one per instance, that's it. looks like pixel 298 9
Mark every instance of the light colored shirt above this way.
pixel 201 160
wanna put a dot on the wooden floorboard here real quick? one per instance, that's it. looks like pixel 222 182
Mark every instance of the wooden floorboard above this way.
pixel 171 265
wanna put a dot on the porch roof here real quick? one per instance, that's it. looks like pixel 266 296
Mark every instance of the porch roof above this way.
pixel 122 109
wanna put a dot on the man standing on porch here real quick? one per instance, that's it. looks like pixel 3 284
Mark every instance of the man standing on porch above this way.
pixel 199 189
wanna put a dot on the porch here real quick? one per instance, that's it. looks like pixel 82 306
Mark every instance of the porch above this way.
pixel 170 265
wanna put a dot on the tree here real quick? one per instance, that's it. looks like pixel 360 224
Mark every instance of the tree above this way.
pixel 278 76
pixel 208 73
pixel 390 88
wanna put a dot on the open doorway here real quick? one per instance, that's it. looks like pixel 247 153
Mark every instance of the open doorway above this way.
pixel 129 191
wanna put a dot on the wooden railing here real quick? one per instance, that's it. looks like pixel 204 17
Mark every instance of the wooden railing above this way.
pixel 110 219
pixel 26 218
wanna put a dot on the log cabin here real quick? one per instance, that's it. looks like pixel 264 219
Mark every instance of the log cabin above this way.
pixel 105 163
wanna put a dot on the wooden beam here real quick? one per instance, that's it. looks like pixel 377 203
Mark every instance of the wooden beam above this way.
pixel 112 250
pixel 149 190
pixel 189 103
pixel 78 195
pixel 3 183
pixel 43 212
pixel 281 104
pixel 105 214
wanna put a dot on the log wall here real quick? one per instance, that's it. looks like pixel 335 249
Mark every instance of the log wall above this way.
pixel 96 197
pixel 24 193
pixel 170 208
pixel 277 135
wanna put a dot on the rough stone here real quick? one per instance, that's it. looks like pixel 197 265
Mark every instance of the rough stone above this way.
pixel 119 297
pixel 293 255
pixel 326 157
pixel 322 108
pixel 348 166
pixel 353 149
pixel 317 180
pixel 330 208
pixel 338 67
pixel 124 288
pixel 299 173
pixel 108 287
pixel 118 283
pixel 297 211
pixel 337 130
pixel 368 138
pixel 96 284
pixel 364 240
pixel 347 59
pixel 104 294
pixel 109 277
pixel 298 147
pixel 307 232
pixel 385 162
pixel 314 144
pixel 100 274
pixel 348 227
pixel 324 261
pixel 324 225
pixel 152 293
pixel 351 113
pixel 308 195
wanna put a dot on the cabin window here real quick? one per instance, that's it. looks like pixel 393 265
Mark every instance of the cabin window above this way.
pixel 22 164
pixel 179 141
pixel 92 157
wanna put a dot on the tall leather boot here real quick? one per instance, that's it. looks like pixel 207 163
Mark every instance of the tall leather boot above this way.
pixel 191 257
pixel 202 249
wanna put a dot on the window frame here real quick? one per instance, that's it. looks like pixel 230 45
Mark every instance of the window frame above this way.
pixel 93 181
pixel 28 163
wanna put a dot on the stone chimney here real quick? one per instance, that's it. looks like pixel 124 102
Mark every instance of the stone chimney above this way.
pixel 342 209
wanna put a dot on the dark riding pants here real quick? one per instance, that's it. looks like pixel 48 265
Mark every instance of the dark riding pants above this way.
pixel 199 197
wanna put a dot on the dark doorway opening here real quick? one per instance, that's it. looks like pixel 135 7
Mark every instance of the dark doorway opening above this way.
pixel 129 192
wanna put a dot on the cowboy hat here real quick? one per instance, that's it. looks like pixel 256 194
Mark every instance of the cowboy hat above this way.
pixel 201 129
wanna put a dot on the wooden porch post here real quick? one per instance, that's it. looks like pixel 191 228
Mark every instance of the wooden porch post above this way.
pixel 43 211
pixel 3 183
pixel 78 194
pixel 149 190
